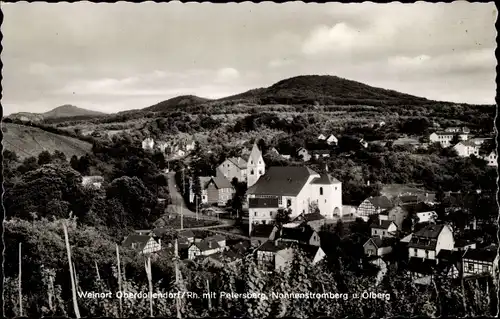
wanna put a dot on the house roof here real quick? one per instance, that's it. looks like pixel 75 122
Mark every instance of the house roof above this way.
pixel 382 242
pixel 238 162
pixel 141 240
pixel 263 202
pixel 384 224
pixel 262 230
pixel 381 202
pixel 272 246
pixel 221 182
pixel 186 234
pixel 205 245
pixel 449 255
pixel 311 217
pixel 481 254
pixel 426 238
pixel 282 181
pixel 301 234
pixel 325 179
pixel 419 207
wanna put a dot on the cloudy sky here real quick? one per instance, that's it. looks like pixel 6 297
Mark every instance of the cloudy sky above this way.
pixel 114 57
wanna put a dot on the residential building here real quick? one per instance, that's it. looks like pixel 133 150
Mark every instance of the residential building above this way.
pixel 216 190
pixel 426 217
pixel 377 246
pixel 263 210
pixel 203 248
pixel 453 129
pixel 427 242
pixel 300 189
pixel 189 145
pixel 443 138
pixel 321 154
pixel 255 166
pixel 314 220
pixel 304 154
pixel 142 243
pixel 480 261
pixel 332 140
pixel 321 137
pixel 188 235
pixel 148 144
pixel 397 214
pixel 374 205
pixel 233 167
pixel 262 232
pixel 298 233
pixel 279 255
pixel 492 158
pixel 180 153
pixel 384 228
pixel 162 146
pixel 467 148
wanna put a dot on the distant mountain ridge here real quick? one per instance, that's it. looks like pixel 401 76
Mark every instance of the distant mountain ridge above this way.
pixel 63 111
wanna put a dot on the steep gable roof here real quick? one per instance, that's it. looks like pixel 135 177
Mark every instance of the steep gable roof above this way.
pixel 262 230
pixel 481 254
pixel 382 242
pixel 205 245
pixel 426 238
pixel 282 181
pixel 221 182
pixel 384 224
pixel 141 240
pixel 381 202
pixel 272 246
pixel 238 162
pixel 255 154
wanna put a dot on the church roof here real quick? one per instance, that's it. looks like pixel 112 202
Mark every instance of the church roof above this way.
pixel 282 181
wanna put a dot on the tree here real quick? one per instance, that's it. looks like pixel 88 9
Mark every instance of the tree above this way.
pixel 339 228
pixel 44 158
pixel 282 216
pixel 10 156
pixel 59 156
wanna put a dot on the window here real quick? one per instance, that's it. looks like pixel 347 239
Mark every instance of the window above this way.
pixel 260 172
pixel 280 200
pixel 375 231
pixel 415 251
pixel 251 162
pixel 325 200
pixel 426 254
pixel 251 172
pixel 335 187
pixel 288 202
pixel 321 190
pixel 485 268
pixel 470 267
pixel 260 162
pixel 255 214
pixel 271 214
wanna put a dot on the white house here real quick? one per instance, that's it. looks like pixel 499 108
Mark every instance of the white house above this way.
pixel 426 217
pixel 148 144
pixel 297 188
pixel 466 148
pixel 321 137
pixel 427 242
pixel 332 140
pixel 234 167
pixel 304 154
pixel 480 261
pixel 255 166
pixel 204 247
pixel 92 181
pixel 180 153
pixel 385 228
pixel 492 158
pixel 443 138
pixel 189 145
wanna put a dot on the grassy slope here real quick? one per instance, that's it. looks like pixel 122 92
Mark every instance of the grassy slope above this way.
pixel 29 141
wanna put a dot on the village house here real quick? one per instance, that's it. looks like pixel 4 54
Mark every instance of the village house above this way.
pixel 142 243
pixel 384 228
pixel 230 256
pixel 397 214
pixel 298 233
pixel 443 138
pixel 234 167
pixel 263 210
pixel 321 154
pixel 204 247
pixel 492 158
pixel 262 232
pixel 427 242
pixel 314 220
pixel 321 137
pixel 332 140
pixel 189 145
pixel 378 246
pixel 374 205
pixel 298 188
pixel 284 258
pixel 162 146
pixel 480 261
pixel 148 144
pixel 216 190
pixel 467 148
pixel 304 154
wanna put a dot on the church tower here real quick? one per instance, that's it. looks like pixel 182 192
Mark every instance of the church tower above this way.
pixel 255 166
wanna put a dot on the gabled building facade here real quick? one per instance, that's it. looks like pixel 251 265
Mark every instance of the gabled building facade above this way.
pixel 427 242
pixel 374 205
pixel 233 167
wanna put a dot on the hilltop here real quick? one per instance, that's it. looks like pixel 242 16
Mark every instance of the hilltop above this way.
pixel 29 141
pixel 60 112
pixel 179 101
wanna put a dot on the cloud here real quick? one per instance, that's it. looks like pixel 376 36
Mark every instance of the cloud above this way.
pixel 225 75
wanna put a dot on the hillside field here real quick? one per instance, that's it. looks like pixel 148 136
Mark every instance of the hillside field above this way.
pixel 29 141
